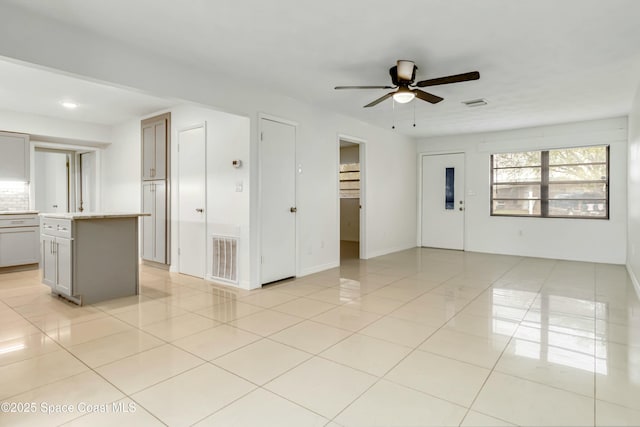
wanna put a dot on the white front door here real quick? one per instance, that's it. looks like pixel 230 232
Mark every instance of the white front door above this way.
pixel 192 201
pixel 278 196
pixel 443 201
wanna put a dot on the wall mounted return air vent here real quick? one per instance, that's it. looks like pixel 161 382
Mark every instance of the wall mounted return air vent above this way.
pixel 475 102
pixel 224 266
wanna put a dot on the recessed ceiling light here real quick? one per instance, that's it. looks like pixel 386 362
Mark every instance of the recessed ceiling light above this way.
pixel 475 102
pixel 69 104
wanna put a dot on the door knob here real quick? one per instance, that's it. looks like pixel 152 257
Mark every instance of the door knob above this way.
pixel 293 209
pixel 199 210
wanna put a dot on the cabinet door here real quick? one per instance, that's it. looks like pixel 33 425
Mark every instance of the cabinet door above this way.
pixel 148 222
pixel 160 168
pixel 18 246
pixel 160 223
pixel 148 151
pixel 48 260
pixel 14 157
pixel 154 150
pixel 63 266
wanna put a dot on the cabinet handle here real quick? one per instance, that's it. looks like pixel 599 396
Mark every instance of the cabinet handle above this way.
pixel 17 222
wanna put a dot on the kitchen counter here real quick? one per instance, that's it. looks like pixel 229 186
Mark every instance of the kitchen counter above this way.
pixel 92 215
pixel 90 257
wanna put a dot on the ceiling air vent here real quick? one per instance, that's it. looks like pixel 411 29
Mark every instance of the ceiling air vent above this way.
pixel 475 102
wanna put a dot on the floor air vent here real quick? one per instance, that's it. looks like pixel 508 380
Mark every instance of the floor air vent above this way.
pixel 225 259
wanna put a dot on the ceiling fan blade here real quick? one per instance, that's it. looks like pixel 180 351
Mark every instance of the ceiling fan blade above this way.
pixel 425 96
pixel 379 100
pixel 364 87
pixel 474 75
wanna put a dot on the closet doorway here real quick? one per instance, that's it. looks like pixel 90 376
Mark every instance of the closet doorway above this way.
pixel 351 199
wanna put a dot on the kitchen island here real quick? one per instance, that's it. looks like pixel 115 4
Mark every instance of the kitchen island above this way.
pixel 90 257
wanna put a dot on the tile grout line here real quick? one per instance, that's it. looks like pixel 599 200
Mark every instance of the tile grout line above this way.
pixel 416 349
pixel 491 371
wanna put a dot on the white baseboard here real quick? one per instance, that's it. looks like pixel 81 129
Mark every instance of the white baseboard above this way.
pixel 318 268
pixel 634 280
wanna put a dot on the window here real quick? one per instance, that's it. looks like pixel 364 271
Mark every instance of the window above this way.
pixel 560 183
pixel 350 181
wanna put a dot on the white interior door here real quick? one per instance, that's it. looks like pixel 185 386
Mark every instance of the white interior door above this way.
pixel 443 201
pixel 278 201
pixel 192 201
pixel 51 181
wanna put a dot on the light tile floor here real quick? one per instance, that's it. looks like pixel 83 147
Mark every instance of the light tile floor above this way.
pixel 420 337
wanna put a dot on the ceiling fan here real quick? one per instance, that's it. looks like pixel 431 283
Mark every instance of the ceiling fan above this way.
pixel 402 76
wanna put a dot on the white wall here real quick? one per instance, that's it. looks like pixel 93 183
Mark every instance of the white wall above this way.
pixel 573 239
pixel 57 130
pixel 227 210
pixel 121 184
pixel 633 192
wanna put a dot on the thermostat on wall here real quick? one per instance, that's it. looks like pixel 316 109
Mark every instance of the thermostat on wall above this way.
pixel 236 163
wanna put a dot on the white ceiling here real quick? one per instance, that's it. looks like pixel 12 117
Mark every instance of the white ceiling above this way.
pixel 39 91
pixel 541 61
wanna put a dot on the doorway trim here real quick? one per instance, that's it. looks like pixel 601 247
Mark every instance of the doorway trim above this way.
pixel 277 119
pixel 420 158
pixel 72 149
pixel 363 191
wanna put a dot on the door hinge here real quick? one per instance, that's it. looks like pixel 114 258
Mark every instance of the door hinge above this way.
pixel 178 148
pixel 178 251
pixel 261 136
pixel 261 260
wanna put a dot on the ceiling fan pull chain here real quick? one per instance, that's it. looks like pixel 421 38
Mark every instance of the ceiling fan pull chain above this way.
pixel 393 115
pixel 414 114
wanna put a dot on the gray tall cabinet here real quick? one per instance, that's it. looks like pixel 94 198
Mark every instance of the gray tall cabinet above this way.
pixel 156 136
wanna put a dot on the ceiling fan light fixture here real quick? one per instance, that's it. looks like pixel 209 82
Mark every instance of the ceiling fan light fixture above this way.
pixel 403 96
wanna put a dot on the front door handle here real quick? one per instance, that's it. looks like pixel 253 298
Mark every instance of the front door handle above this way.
pixel 293 209
pixel 199 210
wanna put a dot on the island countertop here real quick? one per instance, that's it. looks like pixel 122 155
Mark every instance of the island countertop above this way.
pixel 76 216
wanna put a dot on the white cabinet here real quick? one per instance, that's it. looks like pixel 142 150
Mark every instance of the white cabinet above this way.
pixel 18 239
pixel 154 150
pixel 14 157
pixel 56 256
pixel 154 227
pixel 56 264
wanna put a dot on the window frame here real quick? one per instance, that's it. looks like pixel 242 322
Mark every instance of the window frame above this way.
pixel 544 185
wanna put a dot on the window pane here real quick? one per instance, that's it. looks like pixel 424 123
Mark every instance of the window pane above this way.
pixel 449 188
pixel 578 155
pixel 512 191
pixel 570 207
pixel 578 173
pixel 516 207
pixel 528 158
pixel 517 175
pixel 577 191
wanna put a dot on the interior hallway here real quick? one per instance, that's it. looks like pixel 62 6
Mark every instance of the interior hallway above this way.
pixel 419 337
